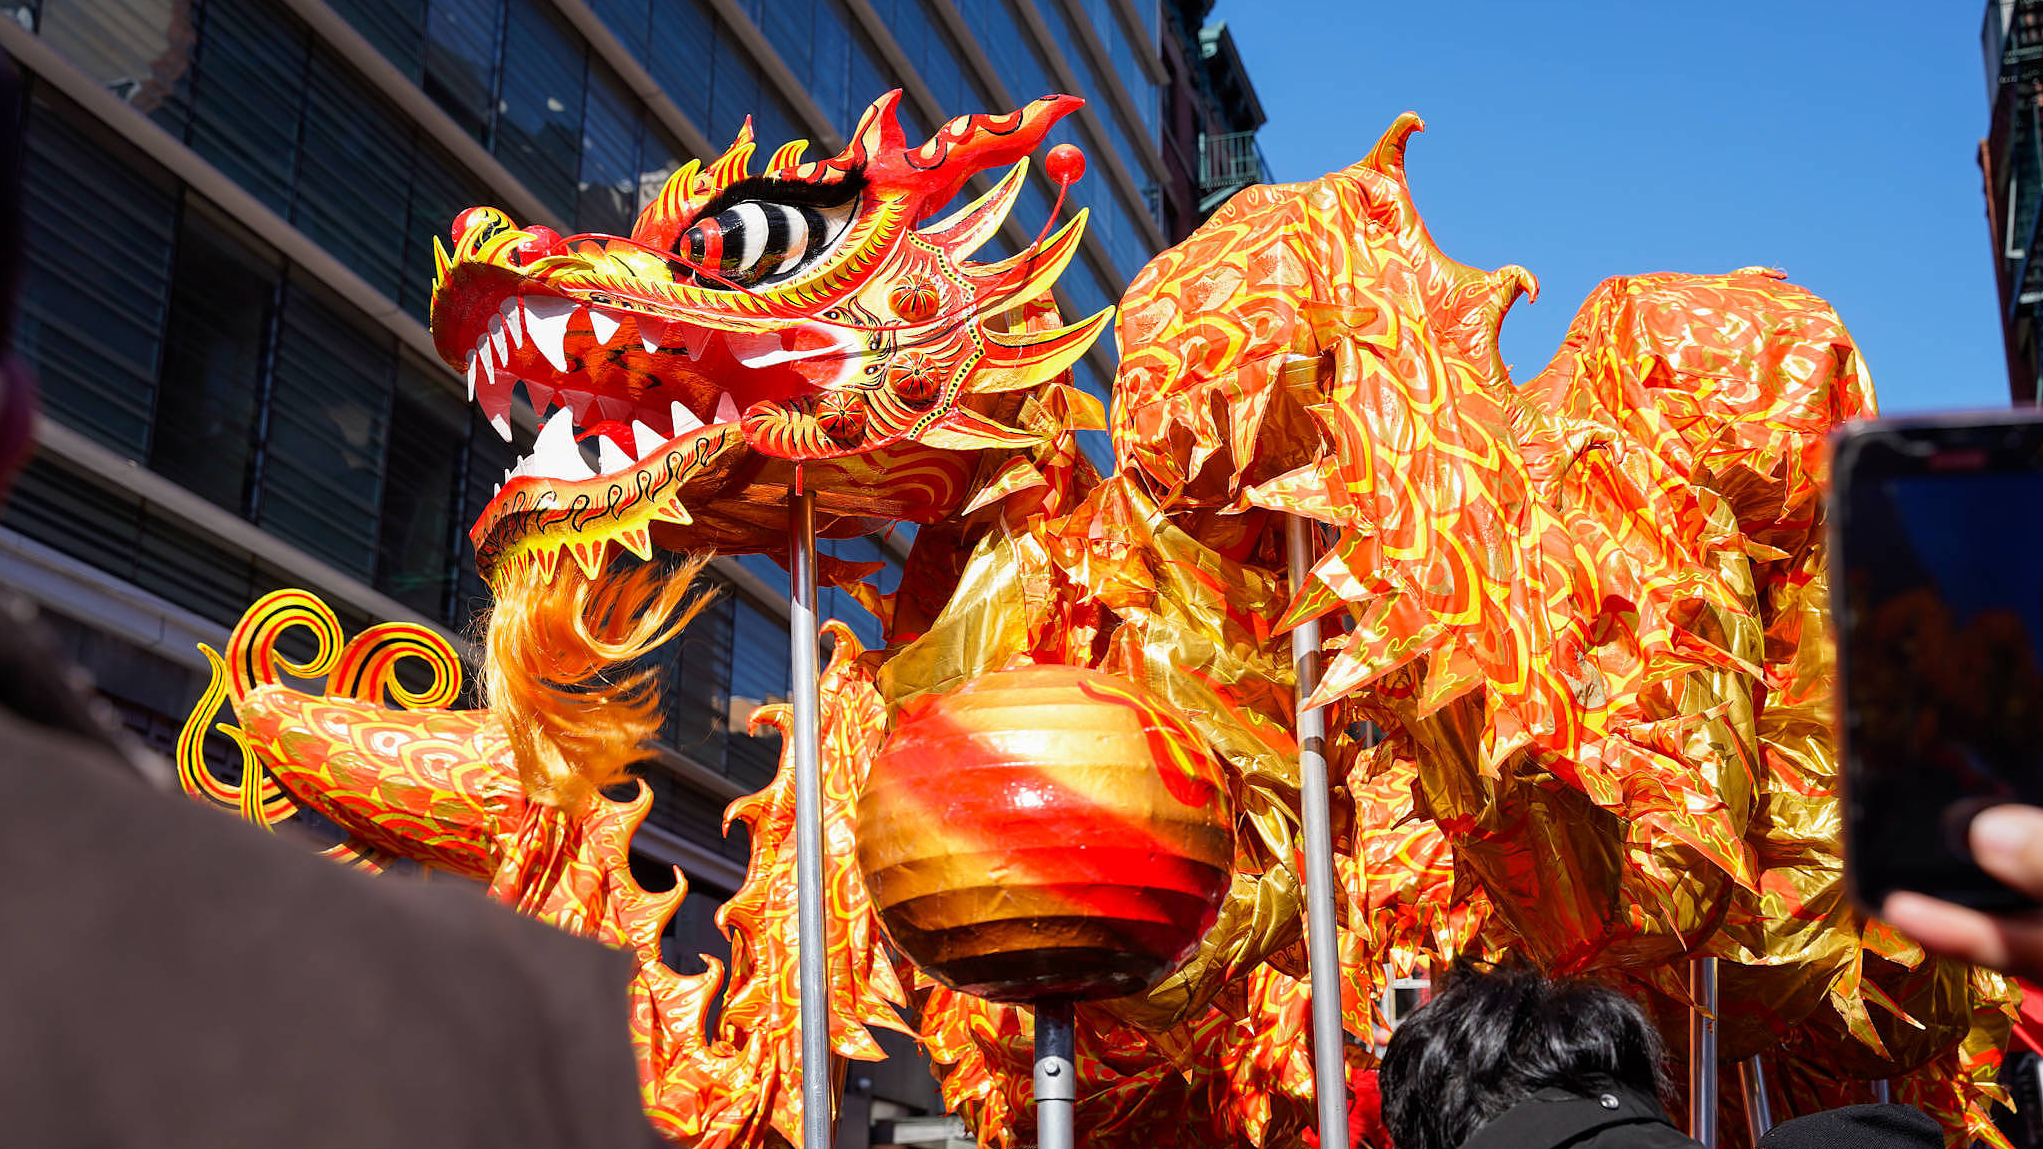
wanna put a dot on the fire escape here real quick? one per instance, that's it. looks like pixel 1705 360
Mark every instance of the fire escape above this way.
pixel 2011 160
pixel 1227 164
pixel 1229 160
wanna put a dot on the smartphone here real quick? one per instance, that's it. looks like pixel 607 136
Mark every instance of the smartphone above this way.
pixel 1936 583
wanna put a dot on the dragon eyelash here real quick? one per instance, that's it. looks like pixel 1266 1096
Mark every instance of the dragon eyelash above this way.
pixel 794 193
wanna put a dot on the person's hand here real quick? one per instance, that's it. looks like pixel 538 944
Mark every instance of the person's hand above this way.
pixel 2007 842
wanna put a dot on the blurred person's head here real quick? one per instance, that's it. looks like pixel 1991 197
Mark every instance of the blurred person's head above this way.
pixel 1491 1038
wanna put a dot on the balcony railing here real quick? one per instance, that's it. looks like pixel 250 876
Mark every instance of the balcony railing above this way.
pixel 1231 161
pixel 2013 42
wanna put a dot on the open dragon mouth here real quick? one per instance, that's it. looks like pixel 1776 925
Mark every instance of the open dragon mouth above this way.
pixel 753 329
pixel 633 383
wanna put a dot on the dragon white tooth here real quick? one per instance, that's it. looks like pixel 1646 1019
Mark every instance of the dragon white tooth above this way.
pixel 695 339
pixel 557 430
pixel 644 439
pixel 610 458
pixel 726 408
pixel 650 332
pixel 547 318
pixel 497 340
pixel 684 419
pixel 604 325
pixel 472 369
pixel 514 320
pixel 776 358
pixel 749 346
pixel 554 452
pixel 578 402
pixel 489 364
pixel 501 424
pixel 496 490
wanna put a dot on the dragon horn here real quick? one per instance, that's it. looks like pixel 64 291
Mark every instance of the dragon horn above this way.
pixel 1388 156
pixel 1026 358
pixel 966 230
pixel 967 430
pixel 1030 273
pixel 735 163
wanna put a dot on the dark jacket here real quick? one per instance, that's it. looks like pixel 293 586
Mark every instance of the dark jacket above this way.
pixel 1553 1118
pixel 172 977
pixel 1858 1127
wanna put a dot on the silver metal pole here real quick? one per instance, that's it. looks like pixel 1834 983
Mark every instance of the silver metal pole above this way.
pixel 1758 1111
pixel 1882 1093
pixel 1056 1075
pixel 1702 1052
pixel 1329 1060
pixel 811 938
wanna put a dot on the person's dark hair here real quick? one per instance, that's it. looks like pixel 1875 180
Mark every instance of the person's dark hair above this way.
pixel 1492 1037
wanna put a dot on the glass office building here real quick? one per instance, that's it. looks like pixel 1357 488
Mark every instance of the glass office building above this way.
pixel 231 207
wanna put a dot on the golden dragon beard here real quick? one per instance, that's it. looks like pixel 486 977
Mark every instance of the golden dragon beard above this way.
pixel 752 326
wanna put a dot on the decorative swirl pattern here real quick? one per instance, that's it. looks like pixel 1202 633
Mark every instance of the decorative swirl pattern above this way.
pixel 365 668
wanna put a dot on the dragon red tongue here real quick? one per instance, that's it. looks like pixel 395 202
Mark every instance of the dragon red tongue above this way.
pixel 613 430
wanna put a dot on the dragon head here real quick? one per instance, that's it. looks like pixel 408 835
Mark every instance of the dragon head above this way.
pixel 751 324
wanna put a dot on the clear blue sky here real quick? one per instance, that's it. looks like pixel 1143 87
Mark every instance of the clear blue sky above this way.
pixel 1835 141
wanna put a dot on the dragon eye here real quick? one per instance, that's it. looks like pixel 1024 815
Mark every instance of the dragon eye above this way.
pixel 757 241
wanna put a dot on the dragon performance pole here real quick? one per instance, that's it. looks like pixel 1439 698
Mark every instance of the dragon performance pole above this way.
pixel 1056 1074
pixel 1758 1112
pixel 1702 1052
pixel 1329 1060
pixel 802 670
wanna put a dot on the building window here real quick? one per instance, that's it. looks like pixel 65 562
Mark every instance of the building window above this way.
pixel 461 47
pixel 98 223
pixel 609 186
pixel 248 97
pixel 356 159
pixel 141 53
pixel 419 548
pixel 539 108
pixel 328 416
pixel 760 673
pixel 223 307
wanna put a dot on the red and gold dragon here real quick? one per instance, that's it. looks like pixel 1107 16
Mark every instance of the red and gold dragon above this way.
pixel 1579 677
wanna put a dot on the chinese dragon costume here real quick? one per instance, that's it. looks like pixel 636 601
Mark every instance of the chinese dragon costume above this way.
pixel 1578 672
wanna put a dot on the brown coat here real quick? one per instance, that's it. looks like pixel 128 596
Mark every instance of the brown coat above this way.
pixel 172 977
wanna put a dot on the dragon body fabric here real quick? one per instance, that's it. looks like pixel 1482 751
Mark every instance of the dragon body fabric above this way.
pixel 1578 671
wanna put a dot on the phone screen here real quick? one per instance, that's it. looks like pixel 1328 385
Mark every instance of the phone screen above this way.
pixel 1942 628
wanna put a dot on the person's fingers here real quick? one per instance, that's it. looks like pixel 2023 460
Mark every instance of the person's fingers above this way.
pixel 2011 945
pixel 2007 842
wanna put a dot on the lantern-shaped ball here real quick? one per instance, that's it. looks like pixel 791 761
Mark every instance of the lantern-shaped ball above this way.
pixel 1045 832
